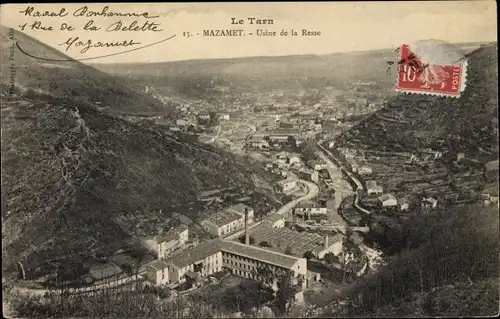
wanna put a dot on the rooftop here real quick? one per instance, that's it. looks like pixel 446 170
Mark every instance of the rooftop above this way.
pixel 309 204
pixel 274 218
pixel 371 183
pixel 239 208
pixel 222 218
pixel 206 249
pixel 172 234
pixel 282 238
pixel 158 265
pixel 257 253
pixel 430 200
pixel 306 170
pixel 197 253
pixel 285 181
pixel 385 197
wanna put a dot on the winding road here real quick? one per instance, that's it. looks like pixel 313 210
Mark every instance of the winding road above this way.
pixel 329 158
pixel 312 191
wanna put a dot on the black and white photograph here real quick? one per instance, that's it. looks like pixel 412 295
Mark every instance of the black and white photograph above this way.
pixel 250 159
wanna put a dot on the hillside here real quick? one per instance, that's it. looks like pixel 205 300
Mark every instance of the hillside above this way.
pixel 253 74
pixel 451 269
pixel 57 75
pixel 69 168
pixel 298 72
pixel 411 123
pixel 445 262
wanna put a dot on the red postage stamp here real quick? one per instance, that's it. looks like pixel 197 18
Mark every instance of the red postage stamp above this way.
pixel 414 76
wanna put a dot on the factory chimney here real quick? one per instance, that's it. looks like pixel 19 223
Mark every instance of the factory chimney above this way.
pixel 247 237
pixel 326 242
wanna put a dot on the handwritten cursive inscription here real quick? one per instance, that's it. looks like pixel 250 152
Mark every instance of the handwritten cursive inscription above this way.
pixel 97 22
pixel 146 26
pixel 89 58
pixel 77 42
pixel 85 12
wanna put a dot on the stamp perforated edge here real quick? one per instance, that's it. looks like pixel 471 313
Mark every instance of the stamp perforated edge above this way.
pixel 463 85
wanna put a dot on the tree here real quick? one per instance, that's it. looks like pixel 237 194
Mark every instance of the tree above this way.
pixel 285 296
pixel 288 250
pixel 308 255
pixel 291 141
pixel 308 151
pixel 330 258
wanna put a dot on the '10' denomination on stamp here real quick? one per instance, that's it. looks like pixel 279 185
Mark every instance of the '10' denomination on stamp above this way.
pixel 416 76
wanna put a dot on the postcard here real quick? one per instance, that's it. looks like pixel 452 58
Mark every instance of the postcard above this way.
pixel 267 159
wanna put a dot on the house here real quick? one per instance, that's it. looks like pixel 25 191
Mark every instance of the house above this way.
pixel 258 143
pixel 365 170
pixel 223 223
pixel 204 259
pixel 280 163
pixel 294 159
pixel 204 116
pixel 224 116
pixel 331 245
pixel 157 273
pixel 403 204
pixel 460 156
pixel 281 135
pixel 242 260
pixel 372 188
pixel 331 144
pixel 241 209
pixel 317 165
pixel 285 186
pixel 175 128
pixel 173 239
pixel 182 218
pixel 308 174
pixel 282 155
pixel 181 122
pixel 353 164
pixel 306 209
pixel 388 200
pixel 275 221
pixel 489 199
pixel 428 203
pixel 313 276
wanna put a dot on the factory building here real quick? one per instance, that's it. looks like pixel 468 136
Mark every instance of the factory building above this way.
pixel 172 240
pixel 305 210
pixel 294 242
pixel 209 257
pixel 227 221
pixel 241 259
pixel 286 186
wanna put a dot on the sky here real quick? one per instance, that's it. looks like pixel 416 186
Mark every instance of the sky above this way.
pixel 344 26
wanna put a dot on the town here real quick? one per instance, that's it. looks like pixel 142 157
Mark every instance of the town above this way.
pixel 203 182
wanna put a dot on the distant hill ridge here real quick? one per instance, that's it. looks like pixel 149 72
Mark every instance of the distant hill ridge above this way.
pixel 60 79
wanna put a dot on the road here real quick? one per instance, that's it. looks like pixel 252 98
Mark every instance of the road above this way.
pixel 330 159
pixel 41 292
pixel 312 191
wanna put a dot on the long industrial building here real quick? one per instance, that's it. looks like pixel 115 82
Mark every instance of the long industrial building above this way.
pixel 210 257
